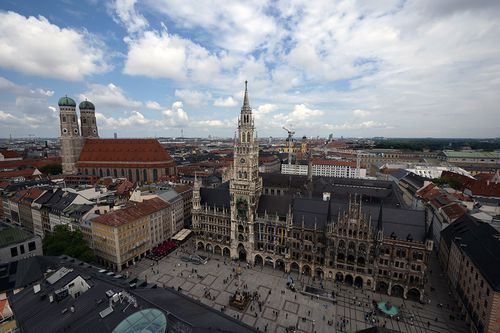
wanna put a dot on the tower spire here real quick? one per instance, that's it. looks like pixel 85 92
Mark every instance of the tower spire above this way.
pixel 246 104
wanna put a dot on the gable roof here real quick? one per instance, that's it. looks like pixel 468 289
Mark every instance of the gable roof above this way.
pixel 123 150
pixel 132 212
pixel 483 247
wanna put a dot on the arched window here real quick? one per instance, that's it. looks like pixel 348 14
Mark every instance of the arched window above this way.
pixel 100 173
pixel 108 173
pixel 115 173
pixel 130 174
pixel 123 172
pixel 145 174
pixel 137 177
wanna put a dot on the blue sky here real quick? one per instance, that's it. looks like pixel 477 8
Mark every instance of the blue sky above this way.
pixel 353 68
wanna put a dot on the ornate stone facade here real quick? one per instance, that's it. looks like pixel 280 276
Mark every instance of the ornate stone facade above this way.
pixel 327 233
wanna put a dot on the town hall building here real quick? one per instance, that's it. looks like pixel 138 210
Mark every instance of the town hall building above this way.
pixel 355 231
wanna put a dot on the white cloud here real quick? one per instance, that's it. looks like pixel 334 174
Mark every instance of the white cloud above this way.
pixel 214 123
pixel 109 96
pixel 356 126
pixel 193 97
pixel 361 113
pixel 43 92
pixel 175 116
pixel 261 112
pixel 124 12
pixel 225 102
pixel 11 86
pixel 239 26
pixel 162 55
pixel 7 117
pixel 131 120
pixel 34 46
pixel 153 105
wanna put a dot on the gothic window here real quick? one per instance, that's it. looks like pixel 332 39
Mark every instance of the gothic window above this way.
pixel 74 119
pixel 64 119
pixel 352 246
pixel 84 120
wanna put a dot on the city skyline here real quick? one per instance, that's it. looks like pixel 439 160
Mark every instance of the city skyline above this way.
pixel 152 69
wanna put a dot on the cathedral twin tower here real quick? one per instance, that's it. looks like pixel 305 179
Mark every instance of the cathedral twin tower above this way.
pixel 71 139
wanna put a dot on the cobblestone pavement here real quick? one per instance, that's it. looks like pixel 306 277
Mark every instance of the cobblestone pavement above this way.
pixel 283 308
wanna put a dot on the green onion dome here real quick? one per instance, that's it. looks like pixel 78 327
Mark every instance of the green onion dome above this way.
pixel 66 101
pixel 86 105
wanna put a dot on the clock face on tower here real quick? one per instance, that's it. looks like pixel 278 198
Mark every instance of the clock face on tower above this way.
pixel 242 160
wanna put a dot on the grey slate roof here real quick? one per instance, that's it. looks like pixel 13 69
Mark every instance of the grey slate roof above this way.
pixel 483 249
pixel 272 205
pixel 396 220
pixel 458 228
pixel 401 222
pixel 218 196
pixel 34 312
pixel 23 272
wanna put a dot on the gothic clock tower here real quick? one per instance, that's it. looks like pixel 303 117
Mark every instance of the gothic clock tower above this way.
pixel 245 185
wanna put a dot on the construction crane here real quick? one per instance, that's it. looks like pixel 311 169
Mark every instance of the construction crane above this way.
pixel 290 144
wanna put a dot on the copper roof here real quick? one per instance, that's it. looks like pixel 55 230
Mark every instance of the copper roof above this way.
pixel 123 150
pixel 132 213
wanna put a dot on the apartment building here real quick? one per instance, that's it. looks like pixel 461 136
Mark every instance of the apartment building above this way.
pixel 122 237
pixel 469 254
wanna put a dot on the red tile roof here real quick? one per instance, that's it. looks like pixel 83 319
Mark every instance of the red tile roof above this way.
pixel 124 187
pixel 31 195
pixel 429 192
pixel 10 153
pixel 482 187
pixel 26 173
pixel 454 211
pixel 182 188
pixel 36 163
pixel 123 150
pixel 132 213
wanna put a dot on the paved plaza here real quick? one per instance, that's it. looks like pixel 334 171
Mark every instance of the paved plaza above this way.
pixel 214 283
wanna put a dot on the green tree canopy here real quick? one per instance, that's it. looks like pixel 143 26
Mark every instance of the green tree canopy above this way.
pixel 65 241
pixel 453 183
pixel 51 169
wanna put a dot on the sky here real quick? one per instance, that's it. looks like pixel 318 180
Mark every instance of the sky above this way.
pixel 415 68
